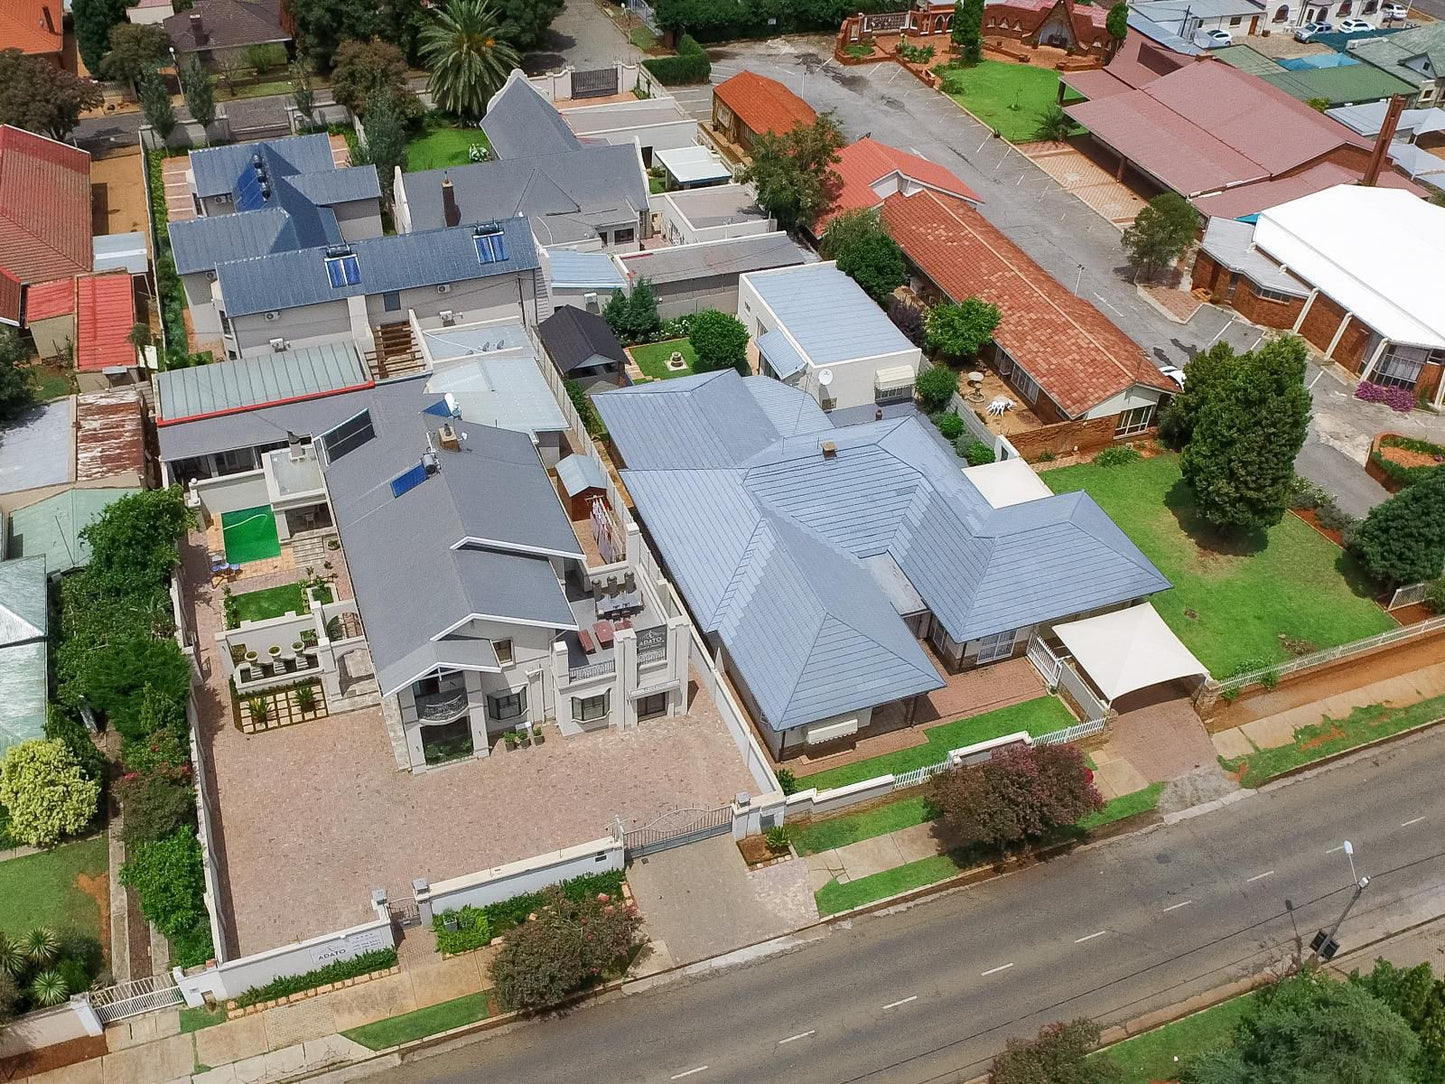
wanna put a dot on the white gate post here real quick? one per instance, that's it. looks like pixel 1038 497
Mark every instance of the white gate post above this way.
pixel 86 1012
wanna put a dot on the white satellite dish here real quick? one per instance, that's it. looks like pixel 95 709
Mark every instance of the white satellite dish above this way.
pixel 825 377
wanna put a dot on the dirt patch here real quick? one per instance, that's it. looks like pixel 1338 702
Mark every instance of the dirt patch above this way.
pixel 1334 534
pixel 1412 615
pixel 98 889
pixel 118 194
pixel 1329 735
pixel 35 1062
pixel 1407 457
pixel 756 853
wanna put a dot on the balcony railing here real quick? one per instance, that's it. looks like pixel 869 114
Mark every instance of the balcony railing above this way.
pixel 441 707
pixel 596 670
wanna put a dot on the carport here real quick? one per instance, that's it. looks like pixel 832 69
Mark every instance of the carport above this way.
pixel 1128 651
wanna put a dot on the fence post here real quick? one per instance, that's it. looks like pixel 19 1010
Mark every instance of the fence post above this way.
pixel 86 1012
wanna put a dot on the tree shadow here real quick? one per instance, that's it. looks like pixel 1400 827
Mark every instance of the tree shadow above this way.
pixel 1209 538
pixel 1358 579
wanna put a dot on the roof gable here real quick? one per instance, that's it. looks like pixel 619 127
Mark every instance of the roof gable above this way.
pixel 520 123
pixel 763 104
pixel 867 165
pixel 575 337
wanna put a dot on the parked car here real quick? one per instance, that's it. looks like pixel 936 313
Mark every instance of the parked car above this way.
pixel 1310 30
pixel 1214 39
pixel 1354 26
pixel 1394 12
pixel 1174 373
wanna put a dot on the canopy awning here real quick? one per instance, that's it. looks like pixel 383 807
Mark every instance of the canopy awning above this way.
pixel 1128 650
pixel 893 378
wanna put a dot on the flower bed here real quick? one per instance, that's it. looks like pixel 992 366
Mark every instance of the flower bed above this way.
pixel 311 983
pixel 1396 462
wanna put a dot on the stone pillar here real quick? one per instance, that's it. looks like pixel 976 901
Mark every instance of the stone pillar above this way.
pixel 679 655
pixel 477 714
pixel 421 892
pixel 624 683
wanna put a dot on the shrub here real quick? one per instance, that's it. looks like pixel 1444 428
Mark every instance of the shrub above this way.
pixel 590 419
pixel 571 944
pixel 154 805
pixel 510 913
pixel 1117 455
pixel 908 319
pixel 1059 1054
pixel 120 677
pixel 1021 794
pixel 935 387
pixel 1398 472
pixel 62 726
pixel 776 839
pixel 1434 602
pixel 169 879
pixel 1403 540
pixel 964 329
pixel 1332 517
pixel 788 782
pixel 950 425
pixel 472 930
pixel 45 792
pixel 1367 392
pixel 1304 495
pixel 690 65
pixel 720 341
pixel 165 747
pixel 975 451
pixel 259 709
pixel 339 971
pixel 9 996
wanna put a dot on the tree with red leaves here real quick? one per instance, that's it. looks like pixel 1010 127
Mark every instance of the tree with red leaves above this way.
pixel 1021 794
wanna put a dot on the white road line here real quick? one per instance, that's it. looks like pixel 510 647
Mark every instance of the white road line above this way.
pixel 795 1038
pixel 1091 936
pixel 1176 906
pixel 994 970
pixel 699 1069
pixel 904 1001
pixel 1406 824
pixel 1333 850
pixel 1261 876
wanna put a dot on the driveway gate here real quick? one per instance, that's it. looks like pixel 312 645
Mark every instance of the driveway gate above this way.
pixel 594 83
pixel 676 828
pixel 404 911
pixel 135 998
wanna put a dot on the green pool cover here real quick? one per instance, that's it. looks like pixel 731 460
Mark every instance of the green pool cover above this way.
pixel 250 535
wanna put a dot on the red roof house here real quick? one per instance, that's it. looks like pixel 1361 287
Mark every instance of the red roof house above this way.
pixel 32 26
pixel 873 171
pixel 748 104
pixel 1060 23
pixel 104 316
pixel 1079 360
pixel 44 214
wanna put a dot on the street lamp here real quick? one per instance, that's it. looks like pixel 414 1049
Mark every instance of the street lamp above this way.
pixel 1324 946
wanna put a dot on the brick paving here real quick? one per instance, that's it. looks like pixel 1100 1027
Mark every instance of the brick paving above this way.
pixel 314 816
pixel 1162 741
pixel 1180 305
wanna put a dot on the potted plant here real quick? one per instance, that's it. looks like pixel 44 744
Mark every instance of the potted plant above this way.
pixel 524 738
pixel 298 645
pixel 537 735
pixel 274 650
pixel 305 699
pixel 510 737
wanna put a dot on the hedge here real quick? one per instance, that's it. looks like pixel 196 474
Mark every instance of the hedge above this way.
pixel 365 964
pixel 510 913
pixel 1407 476
pixel 690 65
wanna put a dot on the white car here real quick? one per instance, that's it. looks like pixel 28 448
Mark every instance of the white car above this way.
pixel 1354 26
pixel 1174 373
pixel 1214 39
pixel 1309 30
pixel 1394 12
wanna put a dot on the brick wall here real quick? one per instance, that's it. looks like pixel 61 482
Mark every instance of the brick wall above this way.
pixel 1263 311
pixel 1208 275
pixel 1087 436
pixel 1322 321
pixel 1351 351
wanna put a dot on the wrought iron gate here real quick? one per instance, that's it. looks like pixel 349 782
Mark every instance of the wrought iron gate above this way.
pixel 404 911
pixel 594 83
pixel 677 827
pixel 135 998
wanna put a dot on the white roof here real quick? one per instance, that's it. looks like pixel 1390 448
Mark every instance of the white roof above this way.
pixel 692 165
pixel 1374 251
pixel 1127 650
pixel 1009 481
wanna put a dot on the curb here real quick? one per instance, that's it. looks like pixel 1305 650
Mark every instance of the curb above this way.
pixel 1303 770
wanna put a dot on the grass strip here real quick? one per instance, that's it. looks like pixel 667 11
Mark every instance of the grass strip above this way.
pixel 48 888
pixel 201 1017
pixel 410 1026
pixel 834 897
pixel 1159 1054
pixel 652 358
pixel 824 835
pixel 1126 805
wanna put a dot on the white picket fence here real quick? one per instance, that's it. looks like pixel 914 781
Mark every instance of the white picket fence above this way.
pixel 919 775
pixel 1059 673
pixel 1077 732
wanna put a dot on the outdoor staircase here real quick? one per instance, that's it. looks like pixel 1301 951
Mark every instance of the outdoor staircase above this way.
pixel 396 354
pixel 310 551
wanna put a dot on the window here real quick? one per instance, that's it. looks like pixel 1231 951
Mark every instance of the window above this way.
pixel 1024 384
pixel 1270 295
pixel 586 709
pixel 1371 6
pixel 623 237
pixel 1236 20
pixel 1281 14
pixel 903 394
pixel 650 707
pixel 342 271
pixel 391 300
pixel 503 648
pixel 1400 367
pixel 998 646
pixel 1346 7
pixel 235 461
pixel 511 705
pixel 1135 420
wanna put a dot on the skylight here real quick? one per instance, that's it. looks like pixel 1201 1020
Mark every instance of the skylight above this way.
pixel 348 436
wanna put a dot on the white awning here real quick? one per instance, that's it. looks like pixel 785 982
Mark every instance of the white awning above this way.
pixel 894 377
pixel 1127 650
pixel 816 734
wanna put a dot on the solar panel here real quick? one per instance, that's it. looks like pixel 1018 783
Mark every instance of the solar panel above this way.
pixel 440 408
pixel 250 194
pixel 348 436
pixel 342 271
pixel 405 483
pixel 491 247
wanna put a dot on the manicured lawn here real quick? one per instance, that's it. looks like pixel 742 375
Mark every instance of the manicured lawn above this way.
pixel 61 888
pixel 202 1017
pixel 275 602
pixel 1126 805
pixel 824 835
pixel 443 147
pixel 834 897
pixel 656 184
pixel 643 38
pixel 1043 715
pixel 1311 743
pixel 421 1023
pixel 652 358
pixel 1231 603
pixel 1006 96
pixel 1150 1057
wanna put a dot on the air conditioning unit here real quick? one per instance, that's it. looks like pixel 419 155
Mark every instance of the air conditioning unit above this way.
pixel 589 301
pixel 444 288
pixel 274 314
pixel 448 317
pixel 278 345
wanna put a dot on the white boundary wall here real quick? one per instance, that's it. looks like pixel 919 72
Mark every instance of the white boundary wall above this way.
pixel 519 878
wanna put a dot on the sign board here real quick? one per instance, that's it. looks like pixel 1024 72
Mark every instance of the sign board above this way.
pixel 653 639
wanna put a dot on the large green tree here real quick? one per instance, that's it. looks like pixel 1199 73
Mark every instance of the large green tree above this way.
pixel 967 30
pixel 1419 997
pixel 794 173
pixel 363 70
pixel 92 20
pixel 720 341
pixel 385 130
pixel 525 22
pixel 322 25
pixel 1310 1029
pixel 132 50
pixel 45 792
pixel 1403 540
pixel 1117 21
pixel 40 97
pixel 133 542
pixel 1240 457
pixel 860 244
pixel 961 330
pixel 1059 1055
pixel 17 390
pixel 155 104
pixel 1162 231
pixel 196 86
pixel 1204 376
pixel 468 58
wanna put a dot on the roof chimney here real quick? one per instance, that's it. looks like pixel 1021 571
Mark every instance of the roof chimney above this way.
pixel 830 450
pixel 451 213
pixel 198 31
pixel 48 19
pixel 1380 155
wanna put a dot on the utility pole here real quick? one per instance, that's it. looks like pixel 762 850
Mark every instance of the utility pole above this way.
pixel 1324 946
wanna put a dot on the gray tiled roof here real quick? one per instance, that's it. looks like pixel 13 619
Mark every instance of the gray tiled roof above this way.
pixel 215 169
pixel 1231 244
pixel 828 314
pixel 568 269
pixel 710 259
pixel 248 383
pixel 520 123
pixel 401 261
pixel 201 243
pixel 766 538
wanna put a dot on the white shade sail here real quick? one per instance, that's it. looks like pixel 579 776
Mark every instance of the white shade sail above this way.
pixel 1128 650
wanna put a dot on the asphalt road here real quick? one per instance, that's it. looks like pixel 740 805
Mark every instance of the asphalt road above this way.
pixel 930 993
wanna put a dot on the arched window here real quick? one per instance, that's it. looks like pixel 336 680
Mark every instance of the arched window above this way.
pixel 1281 15
pixel 1345 8
pixel 1371 6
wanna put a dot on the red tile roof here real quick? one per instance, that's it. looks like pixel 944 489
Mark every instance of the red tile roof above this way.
pixel 1250 199
pixel 44 211
pixel 763 104
pixel 1069 347
pixel 46 299
pixel 1088 20
pixel 32 26
pixel 105 313
pixel 864 163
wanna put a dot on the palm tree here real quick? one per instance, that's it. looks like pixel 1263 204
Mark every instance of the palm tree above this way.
pixel 12 957
pixel 42 946
pixel 48 988
pixel 469 62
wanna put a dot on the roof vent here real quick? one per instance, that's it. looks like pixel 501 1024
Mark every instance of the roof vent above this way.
pixel 830 450
pixel 449 438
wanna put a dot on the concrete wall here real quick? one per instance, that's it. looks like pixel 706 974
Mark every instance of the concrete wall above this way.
pixel 42 1028
pixel 308 325
pixel 676 299
pixel 358 218
pixel 520 878
pixel 204 317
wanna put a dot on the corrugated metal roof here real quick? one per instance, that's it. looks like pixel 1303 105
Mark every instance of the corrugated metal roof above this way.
pixel 38 448
pixel 714 259
pixel 692 165
pixel 569 269
pixel 579 473
pixel 765 536
pixel 110 434
pixel 1367 119
pixel 828 315
pixel 199 244
pixel 51 528
pixel 215 169
pixel 509 392
pixel 1338 85
pixel 249 383
pixel 781 357
pixel 121 251
pixel 1231 244
pixel 716 205
pixel 105 314
pixel 44 300
pixel 24 625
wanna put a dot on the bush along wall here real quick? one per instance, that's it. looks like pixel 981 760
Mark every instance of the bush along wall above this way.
pixel 690 65
pixel 364 964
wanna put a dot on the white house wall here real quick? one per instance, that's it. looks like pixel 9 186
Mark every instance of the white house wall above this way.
pixel 204 317
pixel 309 325
pixel 497 298
pixel 359 218
pixel 1136 396
pixel 854 381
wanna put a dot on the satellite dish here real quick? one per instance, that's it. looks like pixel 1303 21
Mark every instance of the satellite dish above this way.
pixel 825 377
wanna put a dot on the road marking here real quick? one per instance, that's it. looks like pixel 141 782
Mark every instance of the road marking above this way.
pixel 1091 936
pixel 1333 850
pixel 995 970
pixel 795 1038
pixel 1261 876
pixel 1407 824
pixel 904 1001
pixel 699 1069
pixel 1176 906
